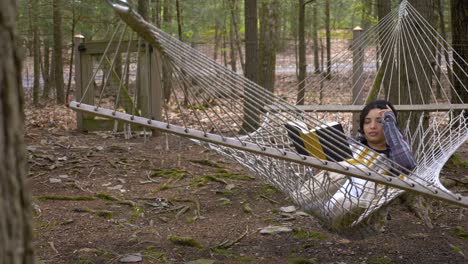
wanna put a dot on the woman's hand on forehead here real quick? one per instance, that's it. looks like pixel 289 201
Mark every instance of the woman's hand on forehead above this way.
pixel 383 111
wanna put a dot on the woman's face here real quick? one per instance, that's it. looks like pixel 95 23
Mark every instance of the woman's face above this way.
pixel 373 129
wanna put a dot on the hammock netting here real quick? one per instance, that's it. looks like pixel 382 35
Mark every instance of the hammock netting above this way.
pixel 401 59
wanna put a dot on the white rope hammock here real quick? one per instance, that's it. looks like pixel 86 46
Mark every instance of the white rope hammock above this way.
pixel 219 109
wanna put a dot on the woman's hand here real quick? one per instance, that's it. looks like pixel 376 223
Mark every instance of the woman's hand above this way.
pixel 383 111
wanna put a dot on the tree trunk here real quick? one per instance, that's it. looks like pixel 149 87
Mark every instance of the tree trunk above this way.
pixel 58 67
pixel 16 233
pixel 179 21
pixel 412 94
pixel 167 11
pixel 143 9
pixel 302 54
pixel 327 33
pixel 268 43
pixel 235 24
pixel 72 53
pixel 367 13
pixel 46 70
pixel 384 7
pixel 37 52
pixel 443 48
pixel 232 44
pixel 157 13
pixel 217 39
pixel 459 10
pixel 166 69
pixel 315 39
pixel 252 108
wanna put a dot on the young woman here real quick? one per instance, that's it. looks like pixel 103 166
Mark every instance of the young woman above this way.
pixel 377 124
pixel 345 198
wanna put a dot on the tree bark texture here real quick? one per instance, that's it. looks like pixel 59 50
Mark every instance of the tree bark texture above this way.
pixel 251 105
pixel 37 52
pixel 415 85
pixel 268 43
pixel 58 66
pixel 15 201
pixel 235 25
pixel 460 45
pixel 302 54
pixel 46 69
pixel 327 33
pixel 315 38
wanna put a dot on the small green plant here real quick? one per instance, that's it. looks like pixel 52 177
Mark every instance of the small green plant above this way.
pixel 155 254
pixel 191 219
pixel 459 232
pixel 224 202
pixel 247 209
pixel 456 249
pixel 137 212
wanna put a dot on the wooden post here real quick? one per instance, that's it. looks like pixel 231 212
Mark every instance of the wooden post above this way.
pixel 83 74
pixel 358 92
pixel 150 86
pixel 156 87
pixel 143 80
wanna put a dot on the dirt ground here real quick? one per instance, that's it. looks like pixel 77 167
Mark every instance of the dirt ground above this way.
pixel 101 198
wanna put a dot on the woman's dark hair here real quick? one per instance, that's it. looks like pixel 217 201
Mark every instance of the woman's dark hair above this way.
pixel 379 104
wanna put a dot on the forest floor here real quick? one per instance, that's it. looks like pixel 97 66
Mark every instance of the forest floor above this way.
pixel 101 198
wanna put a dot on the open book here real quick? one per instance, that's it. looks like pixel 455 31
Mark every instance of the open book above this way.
pixel 327 142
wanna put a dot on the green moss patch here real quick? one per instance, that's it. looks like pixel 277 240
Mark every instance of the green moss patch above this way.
pixel 169 174
pixel 185 241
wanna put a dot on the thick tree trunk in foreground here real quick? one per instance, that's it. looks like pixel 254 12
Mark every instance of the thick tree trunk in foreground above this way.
pixel 15 209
